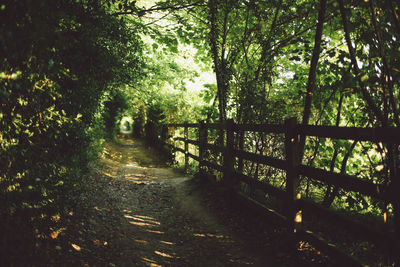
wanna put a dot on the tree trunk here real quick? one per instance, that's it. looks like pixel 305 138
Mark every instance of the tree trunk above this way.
pixel 312 74
pixel 327 198
pixel 219 62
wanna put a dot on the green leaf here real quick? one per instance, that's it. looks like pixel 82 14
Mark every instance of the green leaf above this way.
pixel 364 77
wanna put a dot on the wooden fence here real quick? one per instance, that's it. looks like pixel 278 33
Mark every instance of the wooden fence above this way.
pixel 295 206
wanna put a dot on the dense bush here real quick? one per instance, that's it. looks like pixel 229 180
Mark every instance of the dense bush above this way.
pixel 57 59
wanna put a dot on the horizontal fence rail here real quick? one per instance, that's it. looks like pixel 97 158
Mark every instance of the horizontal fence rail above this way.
pixel 295 206
pixel 387 135
pixel 273 162
pixel 265 128
pixel 347 182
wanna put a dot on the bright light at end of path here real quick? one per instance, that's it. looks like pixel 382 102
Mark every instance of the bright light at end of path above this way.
pixel 298 217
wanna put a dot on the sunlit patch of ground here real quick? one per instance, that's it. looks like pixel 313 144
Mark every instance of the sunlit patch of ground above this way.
pixel 132 161
pixel 165 231
pixel 135 211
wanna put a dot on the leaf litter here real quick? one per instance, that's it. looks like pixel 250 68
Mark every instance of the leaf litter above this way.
pixel 134 210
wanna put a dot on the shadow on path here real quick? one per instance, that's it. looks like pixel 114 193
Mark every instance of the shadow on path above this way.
pixel 136 211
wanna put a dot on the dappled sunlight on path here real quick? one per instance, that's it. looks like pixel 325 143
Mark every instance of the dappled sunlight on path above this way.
pixel 136 211
pixel 133 161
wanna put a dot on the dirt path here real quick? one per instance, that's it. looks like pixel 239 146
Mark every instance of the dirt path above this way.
pixel 136 211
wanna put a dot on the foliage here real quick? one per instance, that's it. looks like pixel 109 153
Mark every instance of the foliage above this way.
pixel 261 53
pixel 171 69
pixel 57 58
pixel 113 108
pixel 78 66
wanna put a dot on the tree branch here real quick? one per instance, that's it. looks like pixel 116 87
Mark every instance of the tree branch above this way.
pixel 159 8
pixel 356 70
pixel 386 84
pixel 312 74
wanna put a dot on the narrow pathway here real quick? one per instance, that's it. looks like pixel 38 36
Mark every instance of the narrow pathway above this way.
pixel 136 211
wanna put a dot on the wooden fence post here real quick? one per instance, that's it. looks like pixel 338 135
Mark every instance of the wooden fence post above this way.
pixel 395 183
pixel 294 213
pixel 186 136
pixel 203 136
pixel 393 160
pixel 229 159
pixel 163 136
pixel 241 147
pixel 171 143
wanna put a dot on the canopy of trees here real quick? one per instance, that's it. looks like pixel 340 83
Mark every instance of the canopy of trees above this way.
pixel 69 70
pixel 324 62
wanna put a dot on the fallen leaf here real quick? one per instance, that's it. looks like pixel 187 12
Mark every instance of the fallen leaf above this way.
pixel 54 235
pixel 76 247
pixel 56 218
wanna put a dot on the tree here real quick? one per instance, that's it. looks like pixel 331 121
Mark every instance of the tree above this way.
pixel 57 59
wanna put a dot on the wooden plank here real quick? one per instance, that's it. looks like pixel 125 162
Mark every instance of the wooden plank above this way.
pixel 218 126
pixel 229 159
pixel 328 248
pixel 270 161
pixel 390 135
pixel 203 137
pixel 193 142
pixel 361 230
pixel 213 165
pixel 186 136
pixel 193 156
pixel 258 207
pixel 266 128
pixel 294 213
pixel 267 188
pixel 192 125
pixel 240 164
pixel 179 149
pixel 189 125
pixel 394 186
pixel 347 182
pixel 175 125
